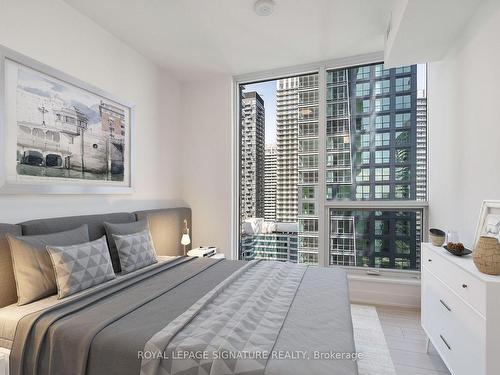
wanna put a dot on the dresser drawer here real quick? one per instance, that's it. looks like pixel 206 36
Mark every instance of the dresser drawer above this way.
pixel 471 289
pixel 456 330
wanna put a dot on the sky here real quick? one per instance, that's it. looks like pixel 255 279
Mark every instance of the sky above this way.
pixel 267 91
pixel 45 86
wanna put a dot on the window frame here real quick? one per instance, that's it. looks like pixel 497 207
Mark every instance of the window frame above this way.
pixel 324 205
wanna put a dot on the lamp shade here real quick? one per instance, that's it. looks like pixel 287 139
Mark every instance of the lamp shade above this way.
pixel 185 240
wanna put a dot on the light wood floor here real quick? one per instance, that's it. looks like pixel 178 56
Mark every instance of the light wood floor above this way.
pixel 406 341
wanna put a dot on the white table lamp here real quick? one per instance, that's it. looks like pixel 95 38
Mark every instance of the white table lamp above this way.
pixel 185 239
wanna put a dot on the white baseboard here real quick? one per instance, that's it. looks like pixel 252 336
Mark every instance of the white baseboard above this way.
pixel 371 292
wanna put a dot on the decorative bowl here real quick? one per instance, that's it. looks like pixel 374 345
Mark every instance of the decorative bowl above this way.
pixel 458 253
pixel 437 236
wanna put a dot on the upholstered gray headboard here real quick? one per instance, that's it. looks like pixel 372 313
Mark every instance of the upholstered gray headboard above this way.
pixel 166 227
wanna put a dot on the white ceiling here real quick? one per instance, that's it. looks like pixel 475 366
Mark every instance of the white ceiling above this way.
pixel 197 38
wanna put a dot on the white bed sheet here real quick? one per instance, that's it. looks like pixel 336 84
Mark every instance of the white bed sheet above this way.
pixel 4 361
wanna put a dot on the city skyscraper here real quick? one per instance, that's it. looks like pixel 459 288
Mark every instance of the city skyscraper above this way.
pixel 421 145
pixel 307 125
pixel 371 155
pixel 287 150
pixel 252 156
pixel 376 151
pixel 270 181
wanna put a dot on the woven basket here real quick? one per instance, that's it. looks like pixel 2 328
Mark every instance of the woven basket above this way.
pixel 486 256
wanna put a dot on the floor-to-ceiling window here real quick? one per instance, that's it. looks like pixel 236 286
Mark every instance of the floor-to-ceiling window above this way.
pixel 333 167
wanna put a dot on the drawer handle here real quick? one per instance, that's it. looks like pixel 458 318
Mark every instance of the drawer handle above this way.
pixel 429 260
pixel 445 305
pixel 445 342
pixel 464 286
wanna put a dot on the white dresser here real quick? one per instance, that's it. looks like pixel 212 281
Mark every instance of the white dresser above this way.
pixel 461 312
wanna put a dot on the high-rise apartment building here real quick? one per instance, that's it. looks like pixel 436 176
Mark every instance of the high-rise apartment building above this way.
pixel 252 156
pixel 270 181
pixel 297 159
pixel 372 155
pixel 376 151
pixel 307 124
pixel 280 245
pixel 287 149
pixel 421 145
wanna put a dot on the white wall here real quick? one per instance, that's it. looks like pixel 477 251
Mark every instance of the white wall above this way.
pixel 53 33
pixel 206 145
pixel 464 99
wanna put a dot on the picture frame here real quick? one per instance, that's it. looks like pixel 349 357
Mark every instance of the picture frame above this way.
pixel 61 135
pixel 489 221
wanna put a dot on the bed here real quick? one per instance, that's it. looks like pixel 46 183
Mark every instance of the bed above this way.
pixel 189 316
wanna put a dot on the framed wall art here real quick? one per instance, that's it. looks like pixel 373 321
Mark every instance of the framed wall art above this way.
pixel 488 224
pixel 60 135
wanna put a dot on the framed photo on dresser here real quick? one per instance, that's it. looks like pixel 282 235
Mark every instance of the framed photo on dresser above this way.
pixel 60 135
pixel 489 221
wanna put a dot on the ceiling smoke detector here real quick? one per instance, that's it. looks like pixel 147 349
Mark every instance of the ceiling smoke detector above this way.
pixel 264 7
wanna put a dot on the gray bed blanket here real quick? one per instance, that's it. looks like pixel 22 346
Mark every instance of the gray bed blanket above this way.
pixel 305 310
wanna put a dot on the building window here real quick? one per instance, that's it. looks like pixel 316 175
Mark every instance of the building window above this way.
pixel 382 174
pixel 338 109
pixel 308 161
pixel 402 174
pixel 307 192
pixel 403 138
pixel 402 155
pixel 308 225
pixel 363 89
pixel 403 84
pixel 382 139
pixel 339 176
pixel 403 120
pixel 308 97
pixel 363 72
pixel 308 129
pixel 308 113
pixel 363 175
pixel 337 93
pixel 308 145
pixel 382 122
pixel 364 140
pixel 339 143
pixel 308 177
pixel 382 156
pixel 382 104
pixel 336 76
pixel 365 123
pixel 403 228
pixel 339 126
pixel 338 160
pixel 382 191
pixel 402 192
pixel 403 102
pixel 363 105
pixel 363 157
pixel 381 72
pixel 381 227
pixel 383 87
pixel 308 208
pixel 403 70
pixel 363 192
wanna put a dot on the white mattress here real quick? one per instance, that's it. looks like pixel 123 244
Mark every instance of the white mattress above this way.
pixel 12 314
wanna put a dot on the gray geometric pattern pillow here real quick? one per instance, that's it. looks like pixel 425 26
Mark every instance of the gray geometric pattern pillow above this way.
pixel 136 250
pixel 82 266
